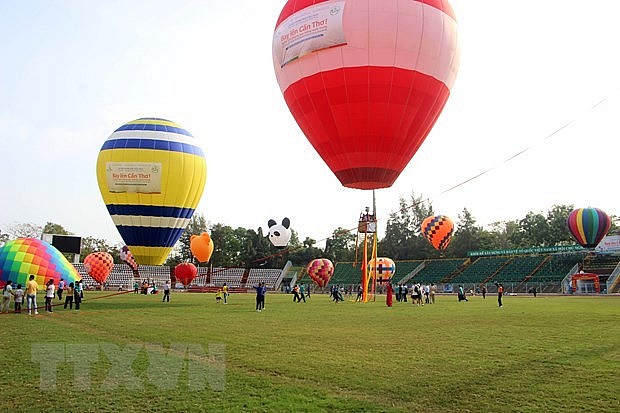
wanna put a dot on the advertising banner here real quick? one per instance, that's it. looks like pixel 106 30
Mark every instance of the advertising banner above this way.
pixel 313 28
pixel 134 177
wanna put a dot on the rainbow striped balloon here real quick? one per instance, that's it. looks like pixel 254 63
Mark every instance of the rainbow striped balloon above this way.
pixel 24 256
pixel 151 175
pixel 588 226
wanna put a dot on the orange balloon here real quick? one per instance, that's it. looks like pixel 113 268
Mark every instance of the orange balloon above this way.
pixel 201 247
pixel 99 265
pixel 438 231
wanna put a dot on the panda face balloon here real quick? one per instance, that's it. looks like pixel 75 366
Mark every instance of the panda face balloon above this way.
pixel 279 234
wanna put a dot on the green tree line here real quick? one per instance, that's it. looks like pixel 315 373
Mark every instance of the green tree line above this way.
pixel 403 240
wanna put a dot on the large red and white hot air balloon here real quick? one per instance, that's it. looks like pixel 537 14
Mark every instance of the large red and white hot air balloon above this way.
pixel 366 80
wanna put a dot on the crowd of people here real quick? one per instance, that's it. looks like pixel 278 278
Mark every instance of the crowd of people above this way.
pixel 418 293
pixel 74 294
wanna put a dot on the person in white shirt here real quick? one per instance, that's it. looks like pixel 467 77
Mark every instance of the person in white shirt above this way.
pixel 49 295
pixel 61 288
pixel 166 292
pixel 19 298
pixel 7 292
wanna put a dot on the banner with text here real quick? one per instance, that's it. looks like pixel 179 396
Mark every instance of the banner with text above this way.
pixel 313 28
pixel 609 244
pixel 523 251
pixel 134 177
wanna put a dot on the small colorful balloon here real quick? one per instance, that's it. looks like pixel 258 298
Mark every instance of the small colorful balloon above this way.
pixel 385 269
pixel 438 230
pixel 201 247
pixel 99 265
pixel 127 258
pixel 320 271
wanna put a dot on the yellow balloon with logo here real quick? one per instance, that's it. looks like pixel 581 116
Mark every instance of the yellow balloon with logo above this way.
pixel 151 174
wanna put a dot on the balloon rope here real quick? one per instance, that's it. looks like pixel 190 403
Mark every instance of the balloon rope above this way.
pixel 451 188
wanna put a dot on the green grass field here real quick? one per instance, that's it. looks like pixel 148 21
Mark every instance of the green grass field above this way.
pixel 135 353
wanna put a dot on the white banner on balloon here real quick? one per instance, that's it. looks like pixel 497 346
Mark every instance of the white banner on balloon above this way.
pixel 134 177
pixel 611 243
pixel 313 28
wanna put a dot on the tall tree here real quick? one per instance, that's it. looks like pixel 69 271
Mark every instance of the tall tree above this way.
pixel 91 244
pixel 467 235
pixel 25 230
pixel 403 239
pixel 340 246
pixel 196 226
pixel 558 233
pixel 534 230
pixel 52 228
pixel 227 245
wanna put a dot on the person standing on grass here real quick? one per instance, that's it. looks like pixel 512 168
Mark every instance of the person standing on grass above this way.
pixel 225 292
pixel 136 287
pixel 19 298
pixel 302 292
pixel 31 295
pixel 166 292
pixel 484 292
pixel 261 290
pixel 360 293
pixel 49 295
pixel 7 292
pixel 500 293
pixel 388 297
pixel 296 297
pixel 433 292
pixel 69 297
pixel 77 294
pixel 61 288
pixel 461 294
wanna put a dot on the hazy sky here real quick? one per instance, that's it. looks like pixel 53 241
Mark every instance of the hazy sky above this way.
pixel 74 71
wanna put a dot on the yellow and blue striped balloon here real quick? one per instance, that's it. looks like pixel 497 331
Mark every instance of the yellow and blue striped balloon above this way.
pixel 151 175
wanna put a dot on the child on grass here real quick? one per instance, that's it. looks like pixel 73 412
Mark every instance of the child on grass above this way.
pixel 19 298
pixel 219 295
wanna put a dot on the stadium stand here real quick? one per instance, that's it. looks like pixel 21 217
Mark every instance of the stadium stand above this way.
pixel 266 275
pixel 481 269
pixel 436 270
pixel 555 269
pixel 600 264
pixel 231 276
pixel 202 277
pixel 518 268
pixel 404 269
pixel 345 273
